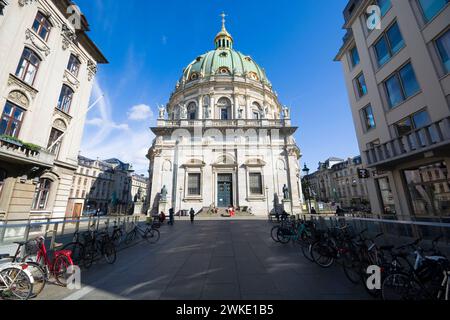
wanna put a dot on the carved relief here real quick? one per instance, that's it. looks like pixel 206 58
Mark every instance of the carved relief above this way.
pixel 60 125
pixel 92 70
pixel 71 79
pixel 15 83
pixel 37 42
pixel 68 36
pixel 18 98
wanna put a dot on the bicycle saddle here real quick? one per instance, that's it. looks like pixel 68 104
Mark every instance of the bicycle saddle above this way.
pixel 58 245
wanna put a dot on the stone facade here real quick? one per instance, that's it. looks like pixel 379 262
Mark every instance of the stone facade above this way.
pixel 46 75
pixel 397 76
pixel 337 181
pixel 224 139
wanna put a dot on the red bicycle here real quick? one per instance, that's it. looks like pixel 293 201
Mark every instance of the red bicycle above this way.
pixel 57 264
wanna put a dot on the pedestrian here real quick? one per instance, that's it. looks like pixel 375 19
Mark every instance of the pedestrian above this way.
pixel 313 211
pixel 339 212
pixel 192 214
pixel 162 217
pixel 171 216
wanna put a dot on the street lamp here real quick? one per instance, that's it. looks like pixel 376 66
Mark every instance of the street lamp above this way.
pixel 181 194
pixel 307 186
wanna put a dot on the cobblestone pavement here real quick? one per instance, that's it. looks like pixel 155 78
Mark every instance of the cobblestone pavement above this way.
pixel 211 260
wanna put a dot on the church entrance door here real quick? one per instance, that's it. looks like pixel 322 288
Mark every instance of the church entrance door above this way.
pixel 224 190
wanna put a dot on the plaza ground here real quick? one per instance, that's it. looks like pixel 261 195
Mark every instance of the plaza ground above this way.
pixel 211 260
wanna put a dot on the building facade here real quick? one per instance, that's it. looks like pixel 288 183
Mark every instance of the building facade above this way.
pixel 104 186
pixel 139 185
pixel 224 139
pixel 397 76
pixel 47 69
pixel 339 182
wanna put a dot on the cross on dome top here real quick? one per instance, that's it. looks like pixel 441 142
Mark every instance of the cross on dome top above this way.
pixel 223 40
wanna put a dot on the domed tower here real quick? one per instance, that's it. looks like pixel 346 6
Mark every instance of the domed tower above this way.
pixel 224 139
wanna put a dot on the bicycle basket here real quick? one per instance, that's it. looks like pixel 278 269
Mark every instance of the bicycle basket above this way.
pixel 32 247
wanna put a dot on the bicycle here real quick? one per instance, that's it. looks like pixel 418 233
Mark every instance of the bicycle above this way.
pixel 426 279
pixel 58 264
pixel 150 234
pixel 16 281
pixel 99 242
pixel 118 234
pixel 38 273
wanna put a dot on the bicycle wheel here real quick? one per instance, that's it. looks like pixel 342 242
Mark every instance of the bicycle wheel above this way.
pixel 322 255
pixel 89 255
pixel 400 286
pixel 306 250
pixel 18 282
pixel 130 237
pixel 352 267
pixel 61 270
pixel 109 252
pixel 152 235
pixel 282 236
pixel 78 252
pixel 273 233
pixel 117 237
pixel 39 277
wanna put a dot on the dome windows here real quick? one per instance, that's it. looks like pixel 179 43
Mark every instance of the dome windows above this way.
pixel 253 76
pixel 224 71
pixel 194 76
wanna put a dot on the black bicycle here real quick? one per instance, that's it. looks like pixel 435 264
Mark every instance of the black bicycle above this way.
pixel 150 233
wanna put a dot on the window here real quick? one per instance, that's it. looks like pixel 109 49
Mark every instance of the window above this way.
pixel 2 179
pixel 402 85
pixel 361 87
pixel 65 99
pixel 389 44
pixel 224 106
pixel 194 180
pixel 384 5
pixel 369 119
pixel 443 45
pixel 430 8
pixel 42 26
pixel 354 56
pixel 12 119
pixel 426 192
pixel 28 66
pixel 416 121
pixel 74 65
pixel 256 115
pixel 55 136
pixel 387 198
pixel 41 194
pixel 192 111
pixel 256 183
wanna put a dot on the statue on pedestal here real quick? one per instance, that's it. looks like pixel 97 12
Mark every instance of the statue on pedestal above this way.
pixel 183 112
pixel 162 112
pixel 138 196
pixel 286 192
pixel 164 194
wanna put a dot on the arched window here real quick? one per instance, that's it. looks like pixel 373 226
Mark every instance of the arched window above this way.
pixel 11 120
pixel 2 179
pixel 55 141
pixel 192 111
pixel 40 200
pixel 256 111
pixel 65 99
pixel 28 66
pixel 224 106
pixel 74 65
pixel 42 26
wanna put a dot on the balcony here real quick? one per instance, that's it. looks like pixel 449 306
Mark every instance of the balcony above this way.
pixel 213 123
pixel 18 152
pixel 417 143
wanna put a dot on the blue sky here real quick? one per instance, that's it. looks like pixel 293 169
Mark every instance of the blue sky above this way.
pixel 148 43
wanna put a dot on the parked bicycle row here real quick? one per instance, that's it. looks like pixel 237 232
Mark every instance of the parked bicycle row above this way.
pixel 24 275
pixel 388 272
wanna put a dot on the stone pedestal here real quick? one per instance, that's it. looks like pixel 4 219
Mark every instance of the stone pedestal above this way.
pixel 138 207
pixel 163 207
pixel 287 206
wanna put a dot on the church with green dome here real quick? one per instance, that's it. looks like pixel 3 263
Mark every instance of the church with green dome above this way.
pixel 224 140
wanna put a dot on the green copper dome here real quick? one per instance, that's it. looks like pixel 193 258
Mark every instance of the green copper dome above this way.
pixel 224 61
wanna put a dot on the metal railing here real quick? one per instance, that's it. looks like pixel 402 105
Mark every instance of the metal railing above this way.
pixel 435 135
pixel 25 229
pixel 222 123
pixel 395 231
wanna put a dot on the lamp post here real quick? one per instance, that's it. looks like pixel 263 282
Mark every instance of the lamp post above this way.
pixel 267 200
pixel 181 193
pixel 307 186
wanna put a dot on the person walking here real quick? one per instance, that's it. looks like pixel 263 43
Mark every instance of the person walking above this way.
pixel 313 211
pixel 339 212
pixel 192 214
pixel 171 216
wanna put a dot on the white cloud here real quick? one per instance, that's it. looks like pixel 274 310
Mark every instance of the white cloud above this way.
pixel 140 112
pixel 98 122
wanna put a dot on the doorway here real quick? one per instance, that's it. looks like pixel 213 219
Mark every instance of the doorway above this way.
pixel 224 190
